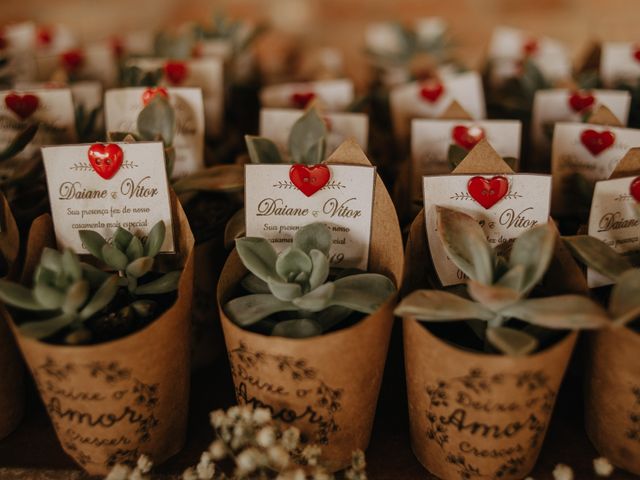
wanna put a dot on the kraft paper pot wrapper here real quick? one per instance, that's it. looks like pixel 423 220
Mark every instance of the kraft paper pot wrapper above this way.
pixel 327 386
pixel 479 415
pixel 11 368
pixel 612 396
pixel 113 401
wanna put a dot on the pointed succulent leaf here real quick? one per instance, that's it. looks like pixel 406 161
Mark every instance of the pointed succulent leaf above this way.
pixel 297 328
pixel 45 328
pixel 364 292
pixel 291 262
pixel 165 284
pixel 135 249
pixel 18 296
pixel 283 290
pixel 247 310
pixel 512 342
pixel 262 150
pixel 625 295
pixel 157 121
pixel 121 239
pixel 76 296
pixel 47 296
pixel 318 299
pixel 44 275
pixel 144 308
pixel 513 278
pixel 93 242
pixel 466 244
pixel 493 297
pixel 154 241
pixel 315 236
pixel 94 275
pixel 534 250
pixel 320 269
pixel 332 316
pixel 258 256
pixel 139 267
pixel 103 296
pixel 306 132
pixel 254 285
pixel 71 265
pixel 456 154
pixel 114 257
pixel 439 306
pixel 597 255
pixel 315 153
pixel 234 229
pixel 570 312
pixel 52 260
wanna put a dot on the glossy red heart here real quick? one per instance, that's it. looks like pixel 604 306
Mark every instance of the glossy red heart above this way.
pixel 22 105
pixel 530 47
pixel 636 53
pixel 44 36
pixel 151 92
pixel 581 100
pixel 467 137
pixel 634 189
pixel 105 159
pixel 302 99
pixel 597 142
pixel 72 60
pixel 176 72
pixel 488 192
pixel 431 91
pixel 309 179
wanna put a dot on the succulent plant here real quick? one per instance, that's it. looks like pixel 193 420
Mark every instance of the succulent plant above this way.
pixel 239 34
pixel 296 281
pixel 497 308
pixel 134 76
pixel 516 94
pixel 624 301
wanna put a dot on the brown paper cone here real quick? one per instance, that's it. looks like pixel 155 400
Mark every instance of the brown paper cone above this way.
pixel 11 368
pixel 629 165
pixel 327 386
pixel 603 116
pixel 612 396
pixel 113 401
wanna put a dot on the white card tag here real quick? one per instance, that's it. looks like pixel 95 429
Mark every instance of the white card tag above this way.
pixel 331 95
pixel 135 197
pixel 205 73
pixel 122 107
pixel 613 220
pixel 619 63
pixel 94 62
pixel 521 202
pixel 562 105
pixel 276 124
pixel 583 154
pixel 431 99
pixel 276 208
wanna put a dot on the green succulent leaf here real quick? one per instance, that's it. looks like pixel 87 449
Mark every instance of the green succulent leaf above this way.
pixel 135 249
pixel 291 262
pixel 114 257
pixel 466 244
pixel 262 150
pixel 624 303
pixel 140 267
pixel 48 296
pixel 254 285
pixel 144 308
pixel 513 278
pixel 44 275
pixel 307 134
pixel 316 152
pixel 510 341
pixel 19 142
pixel 258 256
pixel 121 239
pixel 157 121
pixel 235 228
pixel 365 292
pixel 94 275
pixel 155 239
pixel 597 255
pixel 315 236
pixel 534 250
pixel 297 328
pixel 103 296
pixel 456 154
pixel 71 265
pixel 320 269
pixel 76 296
pixel 493 297
pixel 18 296
pixel 165 284
pixel 570 312
pixel 45 328
pixel 52 260
pixel 283 290
pixel 250 309
pixel 439 306
pixel 318 299
pixel 93 242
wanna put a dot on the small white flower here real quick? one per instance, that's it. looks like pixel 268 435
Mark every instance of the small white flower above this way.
pixel 206 468
pixel 261 416
pixel 118 472
pixel 278 457
pixel 137 475
pixel 246 413
pixel 246 461
pixel 290 438
pixel 218 450
pixel 602 466
pixel 217 418
pixel 144 464
pixel 265 437
pixel 562 472
pixel 311 454
pixel 233 412
pixel 190 474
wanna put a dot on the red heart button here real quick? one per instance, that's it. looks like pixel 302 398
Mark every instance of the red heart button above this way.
pixel 22 105
pixel 597 142
pixel 302 99
pixel 467 137
pixel 151 92
pixel 431 91
pixel 105 159
pixel 530 47
pixel 487 192
pixel 176 72
pixel 581 100
pixel 636 52
pixel 309 179
pixel 635 189
pixel 72 60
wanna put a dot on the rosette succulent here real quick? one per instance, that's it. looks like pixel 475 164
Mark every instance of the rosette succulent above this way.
pixel 495 305
pixel 294 294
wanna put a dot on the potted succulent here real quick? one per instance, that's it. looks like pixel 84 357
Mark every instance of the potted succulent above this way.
pixel 612 393
pixel 108 341
pixel 311 350
pixel 484 364
pixel 11 368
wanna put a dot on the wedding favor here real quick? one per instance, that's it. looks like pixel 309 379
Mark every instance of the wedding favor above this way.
pixel 619 64
pixel 331 95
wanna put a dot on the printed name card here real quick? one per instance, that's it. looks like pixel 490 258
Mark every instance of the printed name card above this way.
pixel 279 199
pixel 276 124
pixel 614 219
pixel 582 154
pixel 431 98
pixel 505 205
pixel 620 63
pixel 122 107
pixel 563 105
pixel 102 187
pixel 331 95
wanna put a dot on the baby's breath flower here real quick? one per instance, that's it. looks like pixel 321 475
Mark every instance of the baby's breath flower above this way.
pixel 218 450
pixel 266 436
pixel 233 412
pixel 217 418
pixel 261 416
pixel 246 414
pixel 562 472
pixel 290 438
pixel 603 467
pixel 144 464
pixel 311 453
pixel 206 468
pixel 246 461
pixel 278 457
pixel 190 474
pixel 119 472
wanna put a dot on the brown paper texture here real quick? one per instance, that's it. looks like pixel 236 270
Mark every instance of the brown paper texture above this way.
pixel 455 112
pixel 327 386
pixel 113 401
pixel 612 396
pixel 11 368
pixel 603 116
pixel 629 165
